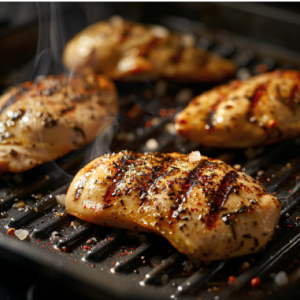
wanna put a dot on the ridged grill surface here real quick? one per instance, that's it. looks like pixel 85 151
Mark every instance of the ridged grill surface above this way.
pixel 128 265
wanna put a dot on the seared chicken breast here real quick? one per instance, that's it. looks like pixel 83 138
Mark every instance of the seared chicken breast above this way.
pixel 47 118
pixel 203 207
pixel 261 110
pixel 132 51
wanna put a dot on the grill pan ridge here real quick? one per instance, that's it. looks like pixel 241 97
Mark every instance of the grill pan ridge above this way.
pixel 121 265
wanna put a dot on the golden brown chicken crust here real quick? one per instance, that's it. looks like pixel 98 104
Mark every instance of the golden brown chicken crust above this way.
pixel 205 208
pixel 47 118
pixel 134 52
pixel 261 110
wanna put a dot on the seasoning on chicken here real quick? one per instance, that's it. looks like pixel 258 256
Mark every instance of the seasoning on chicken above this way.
pixel 204 208
pixel 49 117
pixel 132 51
pixel 261 110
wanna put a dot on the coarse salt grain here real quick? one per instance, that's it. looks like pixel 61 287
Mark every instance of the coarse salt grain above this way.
pixel 170 128
pixel 151 144
pixel 281 278
pixel 21 234
pixel 61 199
pixel 55 236
pixel 194 156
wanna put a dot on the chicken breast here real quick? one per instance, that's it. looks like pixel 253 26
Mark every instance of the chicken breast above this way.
pixel 203 207
pixel 261 110
pixel 132 51
pixel 47 118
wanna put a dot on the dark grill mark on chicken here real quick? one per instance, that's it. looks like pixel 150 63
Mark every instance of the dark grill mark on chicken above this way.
pixel 34 118
pixel 264 108
pixel 192 178
pixel 162 54
pixel 225 188
pixel 211 113
pixel 191 203
pixel 121 168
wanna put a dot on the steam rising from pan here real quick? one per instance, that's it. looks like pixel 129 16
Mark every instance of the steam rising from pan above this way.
pixel 100 145
pixel 96 148
pixel 285 196
pixel 51 41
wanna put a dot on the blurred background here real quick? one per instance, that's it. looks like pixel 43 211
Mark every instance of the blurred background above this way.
pixel 33 35
pixel 44 28
pixel 275 22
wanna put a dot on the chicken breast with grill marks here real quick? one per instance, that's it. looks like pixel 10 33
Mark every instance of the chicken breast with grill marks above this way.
pixel 47 118
pixel 261 110
pixel 203 207
pixel 130 51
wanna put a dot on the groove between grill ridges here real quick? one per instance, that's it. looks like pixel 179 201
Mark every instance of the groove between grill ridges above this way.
pixel 127 263
pixel 68 242
pixel 47 202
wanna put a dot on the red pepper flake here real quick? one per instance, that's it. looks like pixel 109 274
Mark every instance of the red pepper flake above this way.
pixel 182 121
pixel 42 246
pixel 290 191
pixel 255 282
pixel 113 262
pixel 195 209
pixel 127 252
pixel 38 240
pixel 109 239
pixel 231 279
pixel 198 203
pixel 121 254
pixel 86 247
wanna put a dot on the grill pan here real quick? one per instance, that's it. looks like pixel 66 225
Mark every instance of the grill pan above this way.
pixel 104 262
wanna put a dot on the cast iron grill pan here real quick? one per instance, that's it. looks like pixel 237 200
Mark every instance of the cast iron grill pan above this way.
pixel 96 261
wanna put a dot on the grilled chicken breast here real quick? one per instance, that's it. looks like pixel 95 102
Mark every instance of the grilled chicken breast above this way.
pixel 132 51
pixel 45 119
pixel 261 110
pixel 206 209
